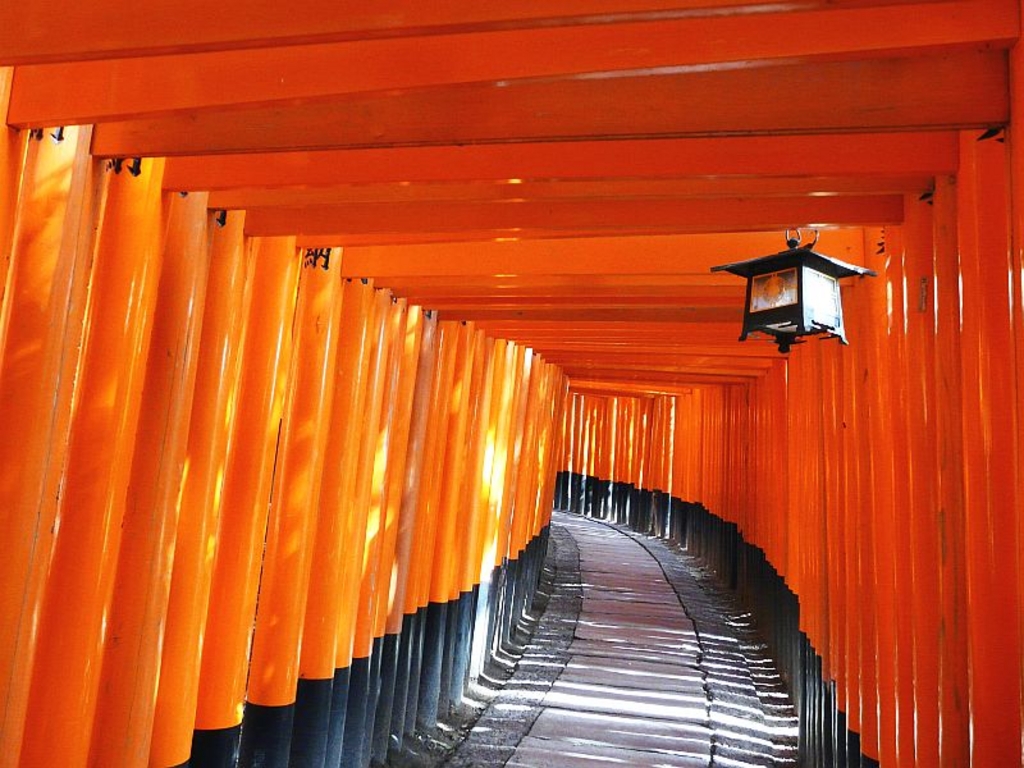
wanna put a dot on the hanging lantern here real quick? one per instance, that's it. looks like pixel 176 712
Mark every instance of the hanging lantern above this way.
pixel 793 293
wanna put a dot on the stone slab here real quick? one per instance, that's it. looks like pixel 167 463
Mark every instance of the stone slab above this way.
pixel 547 753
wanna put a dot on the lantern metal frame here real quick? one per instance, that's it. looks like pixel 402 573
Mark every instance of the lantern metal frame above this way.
pixel 794 293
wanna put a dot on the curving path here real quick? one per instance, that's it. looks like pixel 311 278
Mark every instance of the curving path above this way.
pixel 640 659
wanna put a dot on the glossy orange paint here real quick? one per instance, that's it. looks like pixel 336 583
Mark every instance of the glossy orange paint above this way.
pixel 323 647
pixel 32 36
pixel 408 516
pixel 991 455
pixel 94 91
pixel 408 348
pixel 858 155
pixel 79 587
pixel 391 348
pixel 46 268
pixel 125 712
pixel 301 460
pixel 920 430
pixel 248 478
pixel 357 590
pixel 210 427
pixel 845 95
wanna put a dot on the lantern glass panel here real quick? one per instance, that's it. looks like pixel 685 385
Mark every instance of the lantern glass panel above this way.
pixel 821 299
pixel 773 290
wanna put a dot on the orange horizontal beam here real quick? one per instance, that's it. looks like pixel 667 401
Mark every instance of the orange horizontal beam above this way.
pixel 666 257
pixel 655 382
pixel 612 388
pixel 502 191
pixel 571 315
pixel 653 375
pixel 33 32
pixel 963 89
pixel 862 155
pixel 694 215
pixel 552 348
pixel 597 286
pixel 685 334
pixel 750 365
pixel 83 92
pixel 727 295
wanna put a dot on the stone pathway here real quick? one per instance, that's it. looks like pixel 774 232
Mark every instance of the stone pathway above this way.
pixel 638 660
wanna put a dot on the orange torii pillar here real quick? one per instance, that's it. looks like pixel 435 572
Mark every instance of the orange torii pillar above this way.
pixel 322 687
pixel 493 473
pixel 287 552
pixel 355 654
pixel 402 463
pixel 470 517
pixel 246 491
pixel 506 619
pixel 123 728
pixel 385 461
pixel 400 626
pixel 527 545
pixel 210 427
pixel 428 518
pixel 79 587
pixel 436 649
pixel 46 268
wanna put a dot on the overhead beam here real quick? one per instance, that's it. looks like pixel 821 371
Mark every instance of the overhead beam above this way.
pixel 570 315
pixel 955 90
pixel 654 382
pixel 695 215
pixel 82 92
pixel 582 385
pixel 665 362
pixel 859 155
pixel 662 258
pixel 34 32
pixel 561 190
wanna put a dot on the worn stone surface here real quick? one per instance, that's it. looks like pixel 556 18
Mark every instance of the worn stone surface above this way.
pixel 640 658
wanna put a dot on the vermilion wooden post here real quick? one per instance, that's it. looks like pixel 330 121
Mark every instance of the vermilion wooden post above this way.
pixel 354 642
pixel 408 376
pixel 875 322
pixel 1016 309
pixel 287 553
pixel 47 249
pixel 991 455
pixel 446 549
pixel 402 623
pixel 421 689
pixel 367 644
pixel 383 466
pixel 501 357
pixel 248 476
pixel 66 673
pixel 385 642
pixel 920 427
pixel 210 428
pixel 321 690
pixel 475 494
pixel 954 745
pixel 902 541
pixel 123 727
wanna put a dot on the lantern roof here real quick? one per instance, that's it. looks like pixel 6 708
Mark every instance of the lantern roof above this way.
pixel 791 256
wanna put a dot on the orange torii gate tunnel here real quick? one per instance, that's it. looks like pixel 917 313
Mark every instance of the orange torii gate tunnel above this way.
pixel 313 312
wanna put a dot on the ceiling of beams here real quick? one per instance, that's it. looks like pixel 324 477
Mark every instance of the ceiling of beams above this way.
pixel 561 173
